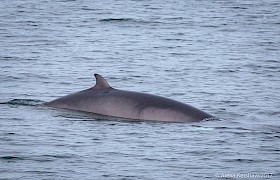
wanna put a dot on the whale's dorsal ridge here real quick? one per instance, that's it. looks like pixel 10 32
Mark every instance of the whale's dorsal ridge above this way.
pixel 101 83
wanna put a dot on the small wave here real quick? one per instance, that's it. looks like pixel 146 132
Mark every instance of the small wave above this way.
pixel 129 20
pixel 24 102
pixel 117 20
pixel 11 158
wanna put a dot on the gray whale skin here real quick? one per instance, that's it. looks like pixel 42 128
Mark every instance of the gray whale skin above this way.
pixel 104 100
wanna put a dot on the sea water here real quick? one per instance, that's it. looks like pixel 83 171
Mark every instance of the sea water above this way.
pixel 219 56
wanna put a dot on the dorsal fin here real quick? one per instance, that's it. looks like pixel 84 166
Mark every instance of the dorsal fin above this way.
pixel 101 83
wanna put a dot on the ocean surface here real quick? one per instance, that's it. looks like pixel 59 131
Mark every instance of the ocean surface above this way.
pixel 220 56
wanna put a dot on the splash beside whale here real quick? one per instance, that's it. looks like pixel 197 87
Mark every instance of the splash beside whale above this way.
pixel 104 100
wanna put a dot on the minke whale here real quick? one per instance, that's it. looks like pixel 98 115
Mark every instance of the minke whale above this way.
pixel 104 100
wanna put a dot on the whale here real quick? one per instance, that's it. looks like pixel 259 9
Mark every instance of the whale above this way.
pixel 102 99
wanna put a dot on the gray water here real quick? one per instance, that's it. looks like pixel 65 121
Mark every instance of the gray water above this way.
pixel 219 56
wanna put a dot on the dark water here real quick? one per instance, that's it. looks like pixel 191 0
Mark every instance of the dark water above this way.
pixel 219 56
